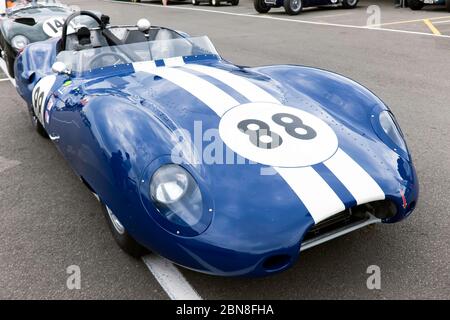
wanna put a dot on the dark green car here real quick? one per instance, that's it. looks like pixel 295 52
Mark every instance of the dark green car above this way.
pixel 23 22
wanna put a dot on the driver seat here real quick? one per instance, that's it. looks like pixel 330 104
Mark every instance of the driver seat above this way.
pixel 84 39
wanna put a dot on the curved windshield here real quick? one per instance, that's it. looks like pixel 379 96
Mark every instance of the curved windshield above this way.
pixel 16 5
pixel 93 58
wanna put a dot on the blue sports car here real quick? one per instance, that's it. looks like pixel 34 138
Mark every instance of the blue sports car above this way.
pixel 223 169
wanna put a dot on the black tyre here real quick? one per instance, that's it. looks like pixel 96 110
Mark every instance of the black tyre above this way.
pixel 9 60
pixel 195 2
pixel 349 4
pixel 261 6
pixel 236 2
pixel 214 3
pixel 123 239
pixel 38 126
pixel 293 7
pixel 447 5
pixel 415 4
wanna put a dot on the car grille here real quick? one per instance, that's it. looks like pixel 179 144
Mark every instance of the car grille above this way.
pixel 349 217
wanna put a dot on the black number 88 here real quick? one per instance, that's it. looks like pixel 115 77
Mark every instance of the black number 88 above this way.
pixel 263 137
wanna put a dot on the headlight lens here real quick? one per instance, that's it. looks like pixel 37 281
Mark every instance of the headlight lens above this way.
pixel 391 129
pixel 19 42
pixel 176 195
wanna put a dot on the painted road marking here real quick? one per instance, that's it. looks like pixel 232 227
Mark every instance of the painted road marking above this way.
pixel 333 15
pixel 170 278
pixel 432 27
pixel 3 67
pixel 441 22
pixel 6 164
pixel 259 16
pixel 2 80
pixel 407 21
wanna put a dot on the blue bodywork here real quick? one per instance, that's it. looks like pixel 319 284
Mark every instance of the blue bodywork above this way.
pixel 114 127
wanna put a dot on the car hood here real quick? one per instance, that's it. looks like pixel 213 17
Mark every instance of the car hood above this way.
pixel 257 199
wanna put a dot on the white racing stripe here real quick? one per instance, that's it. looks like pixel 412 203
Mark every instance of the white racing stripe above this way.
pixel 215 98
pixel 246 88
pixel 317 196
pixel 174 62
pixel 315 193
pixel 144 66
pixel 170 278
pixel 360 184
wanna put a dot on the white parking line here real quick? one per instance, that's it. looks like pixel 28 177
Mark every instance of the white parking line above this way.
pixel 262 16
pixel 6 164
pixel 333 15
pixel 7 79
pixel 170 278
pixel 441 22
pixel 4 69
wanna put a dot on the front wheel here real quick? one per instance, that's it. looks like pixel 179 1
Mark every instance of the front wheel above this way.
pixel 236 2
pixel 123 239
pixel 261 6
pixel 349 4
pixel 215 3
pixel 37 125
pixel 415 4
pixel 293 7
pixel 9 60
pixel 195 2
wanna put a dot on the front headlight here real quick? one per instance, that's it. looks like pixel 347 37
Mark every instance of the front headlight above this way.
pixel 391 129
pixel 19 42
pixel 177 195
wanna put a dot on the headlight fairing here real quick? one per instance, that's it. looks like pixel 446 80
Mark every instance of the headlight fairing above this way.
pixel 391 129
pixel 176 199
pixel 389 132
pixel 19 42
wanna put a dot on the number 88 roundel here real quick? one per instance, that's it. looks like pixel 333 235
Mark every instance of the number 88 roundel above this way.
pixel 277 135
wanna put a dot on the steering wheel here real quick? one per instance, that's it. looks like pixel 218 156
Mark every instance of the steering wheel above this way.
pixel 119 56
pixel 73 16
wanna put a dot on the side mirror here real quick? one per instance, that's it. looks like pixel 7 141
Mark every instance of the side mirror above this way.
pixel 60 68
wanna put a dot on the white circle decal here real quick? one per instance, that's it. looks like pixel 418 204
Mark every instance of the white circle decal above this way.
pixel 53 27
pixel 277 135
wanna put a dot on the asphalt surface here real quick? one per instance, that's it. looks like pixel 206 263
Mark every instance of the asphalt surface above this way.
pixel 49 220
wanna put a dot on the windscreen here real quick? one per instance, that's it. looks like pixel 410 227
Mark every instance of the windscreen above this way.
pixel 15 5
pixel 93 58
